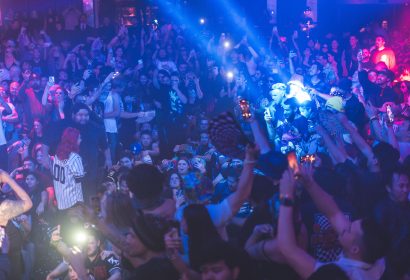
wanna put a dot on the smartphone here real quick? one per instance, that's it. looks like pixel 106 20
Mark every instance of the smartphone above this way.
pixel 293 161
pixel 140 62
pixel 51 79
pixel 245 109
pixel 390 115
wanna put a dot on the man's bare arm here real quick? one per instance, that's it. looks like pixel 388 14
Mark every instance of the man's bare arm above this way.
pixel 10 209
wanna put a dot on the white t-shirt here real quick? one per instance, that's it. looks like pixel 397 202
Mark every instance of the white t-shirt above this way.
pixel 357 270
pixel 2 136
pixel 110 123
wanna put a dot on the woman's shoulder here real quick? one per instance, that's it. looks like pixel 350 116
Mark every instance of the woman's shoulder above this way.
pixel 73 155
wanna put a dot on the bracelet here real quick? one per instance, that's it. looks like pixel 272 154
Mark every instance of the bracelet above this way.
pixel 285 200
pixel 250 161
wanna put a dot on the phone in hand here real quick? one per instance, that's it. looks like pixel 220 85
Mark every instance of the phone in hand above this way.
pixel 51 80
pixel 293 161
pixel 245 109
pixel 390 115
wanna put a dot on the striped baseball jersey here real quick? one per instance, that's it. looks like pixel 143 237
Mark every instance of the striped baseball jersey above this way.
pixel 65 172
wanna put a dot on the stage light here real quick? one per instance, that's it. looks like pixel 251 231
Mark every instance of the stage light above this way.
pixel 202 21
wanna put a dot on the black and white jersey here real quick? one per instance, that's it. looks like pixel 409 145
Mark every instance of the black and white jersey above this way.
pixel 68 190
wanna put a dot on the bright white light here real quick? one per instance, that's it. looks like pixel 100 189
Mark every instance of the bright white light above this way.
pixel 80 237
pixel 202 21
pixel 227 44
pixel 302 96
pixel 229 75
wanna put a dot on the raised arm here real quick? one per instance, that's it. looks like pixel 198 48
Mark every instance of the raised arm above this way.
pixel 338 155
pixel 243 191
pixel 260 137
pixel 46 93
pixel 6 108
pixel 10 209
pixel 323 201
pixel 298 259
pixel 359 141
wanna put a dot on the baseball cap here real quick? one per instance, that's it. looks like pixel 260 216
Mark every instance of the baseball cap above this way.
pixel 279 86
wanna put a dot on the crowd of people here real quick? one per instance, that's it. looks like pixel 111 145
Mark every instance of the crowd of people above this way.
pixel 110 170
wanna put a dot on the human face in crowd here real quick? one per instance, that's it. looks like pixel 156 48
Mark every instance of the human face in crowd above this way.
pixel 322 60
pixel 93 246
pixel 72 275
pixel 38 127
pixel 288 111
pixel 380 42
pixel 350 238
pixel 366 54
pixel 14 88
pixel 174 181
pixel 8 54
pixel 182 68
pixel 335 44
pixel 82 117
pixel 204 140
pixel 399 188
pixel 143 80
pixel 126 162
pixel 382 79
pixel 313 70
pixel 39 156
pixel 174 81
pixel 218 271
pixel 62 76
pixel 277 96
pixel 203 125
pixel 15 73
pixel 183 167
pixel 3 93
pixel 232 183
pixel 166 80
pixel 330 58
pixel 31 181
pixel 29 165
pixel 353 41
pixel 305 111
pixel 372 76
pixel 146 140
pixel 124 186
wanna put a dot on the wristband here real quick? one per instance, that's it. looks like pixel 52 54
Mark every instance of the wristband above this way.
pixel 285 200
pixel 250 161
